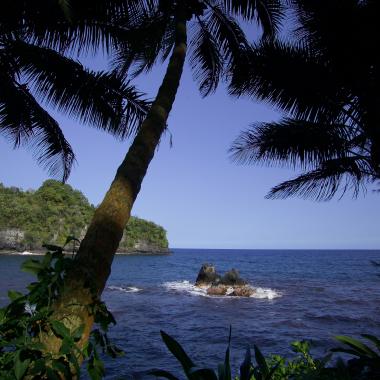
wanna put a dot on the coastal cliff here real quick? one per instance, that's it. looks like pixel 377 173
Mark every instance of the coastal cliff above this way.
pixel 29 219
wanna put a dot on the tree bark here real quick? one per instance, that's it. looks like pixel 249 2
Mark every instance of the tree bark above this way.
pixel 86 281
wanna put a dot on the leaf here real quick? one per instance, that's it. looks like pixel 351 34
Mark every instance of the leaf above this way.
pixel 60 329
pixel 361 348
pixel 245 368
pixel 77 334
pixel 224 370
pixel 66 347
pixel 13 295
pixel 176 349
pixel 32 266
pixel 2 315
pixel 71 238
pixel 261 362
pixel 20 366
pixel 373 339
pixel 162 373
pixel 202 374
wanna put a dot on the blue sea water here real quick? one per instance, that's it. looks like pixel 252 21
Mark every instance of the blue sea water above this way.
pixel 301 294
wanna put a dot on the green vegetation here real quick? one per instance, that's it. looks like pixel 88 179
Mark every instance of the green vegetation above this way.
pixel 28 316
pixel 56 210
pixel 365 365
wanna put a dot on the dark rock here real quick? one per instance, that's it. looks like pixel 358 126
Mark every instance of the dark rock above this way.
pixel 207 276
pixel 219 290
pixel 232 278
pixel 231 284
pixel 242 291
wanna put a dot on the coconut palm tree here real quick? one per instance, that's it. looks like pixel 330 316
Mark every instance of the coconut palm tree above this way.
pixel 327 85
pixel 155 30
pixel 36 70
pixel 159 30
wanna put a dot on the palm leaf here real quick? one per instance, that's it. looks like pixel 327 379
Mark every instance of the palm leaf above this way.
pixel 291 78
pixel 294 142
pixel 227 33
pixel 151 34
pixel 325 181
pixel 25 122
pixel 357 346
pixel 176 349
pixel 267 12
pixel 206 60
pixel 99 99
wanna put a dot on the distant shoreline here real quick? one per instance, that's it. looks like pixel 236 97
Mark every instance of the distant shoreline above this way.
pixel 124 253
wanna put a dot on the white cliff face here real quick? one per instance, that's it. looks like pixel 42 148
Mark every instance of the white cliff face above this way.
pixel 11 238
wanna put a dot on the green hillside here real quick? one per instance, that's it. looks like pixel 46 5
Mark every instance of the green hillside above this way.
pixel 56 210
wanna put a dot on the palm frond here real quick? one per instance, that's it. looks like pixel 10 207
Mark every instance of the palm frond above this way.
pixel 297 143
pixel 290 78
pixel 322 184
pixel 98 99
pixel 227 34
pixel 25 122
pixel 206 61
pixel 90 25
pixel 268 13
pixel 152 35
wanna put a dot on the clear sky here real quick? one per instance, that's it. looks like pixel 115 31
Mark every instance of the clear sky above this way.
pixel 194 190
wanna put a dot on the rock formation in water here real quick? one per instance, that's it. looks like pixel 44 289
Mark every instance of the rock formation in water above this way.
pixel 230 284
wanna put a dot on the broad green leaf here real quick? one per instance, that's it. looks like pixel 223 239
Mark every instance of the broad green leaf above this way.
pixel 202 374
pixel 66 347
pixel 245 368
pixel 60 329
pixel 47 259
pixel 20 366
pixel 13 295
pixel 361 348
pixel 77 334
pixel 32 266
pixel 261 362
pixel 176 349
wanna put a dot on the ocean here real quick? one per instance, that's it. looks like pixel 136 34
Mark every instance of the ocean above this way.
pixel 301 294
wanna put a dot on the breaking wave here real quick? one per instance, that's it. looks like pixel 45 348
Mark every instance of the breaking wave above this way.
pixel 125 289
pixel 187 287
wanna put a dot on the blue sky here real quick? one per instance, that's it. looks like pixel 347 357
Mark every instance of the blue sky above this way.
pixel 196 192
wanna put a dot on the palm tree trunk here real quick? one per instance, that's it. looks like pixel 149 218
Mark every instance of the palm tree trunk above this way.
pixel 93 261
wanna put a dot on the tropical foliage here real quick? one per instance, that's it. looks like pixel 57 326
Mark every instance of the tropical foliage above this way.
pixel 56 210
pixel 37 43
pixel 326 82
pixel 302 366
pixel 29 315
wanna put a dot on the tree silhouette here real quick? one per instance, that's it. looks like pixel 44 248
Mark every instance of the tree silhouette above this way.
pixel 36 69
pixel 327 85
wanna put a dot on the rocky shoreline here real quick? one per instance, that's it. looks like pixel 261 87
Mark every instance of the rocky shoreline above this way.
pixel 135 252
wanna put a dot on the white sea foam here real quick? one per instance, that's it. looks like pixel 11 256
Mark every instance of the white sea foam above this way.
pixel 266 293
pixel 187 287
pixel 125 289
pixel 26 253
